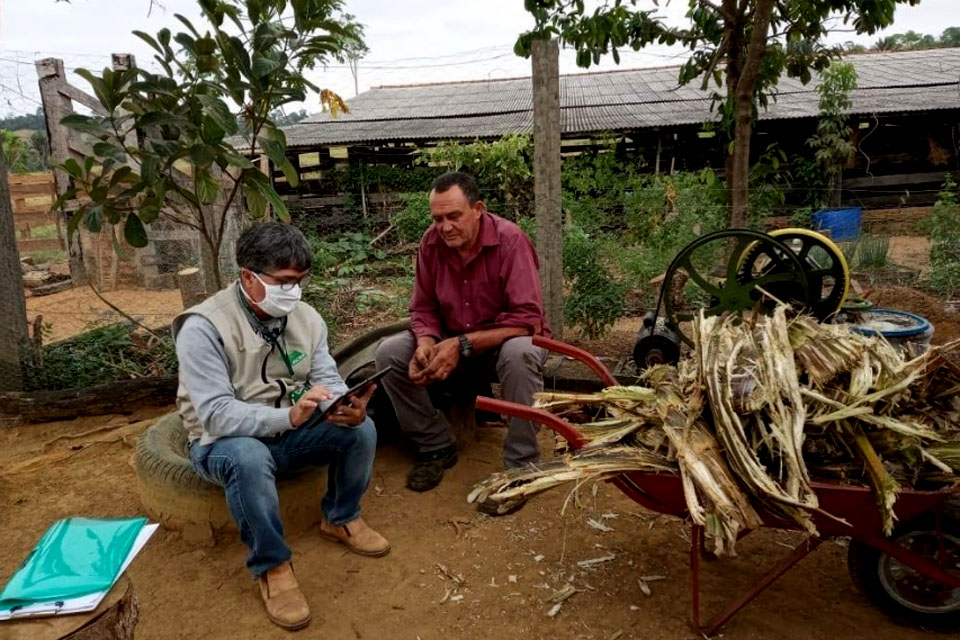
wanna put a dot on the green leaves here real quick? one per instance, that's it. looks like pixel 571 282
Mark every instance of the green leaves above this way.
pixel 276 150
pixel 256 202
pixel 218 111
pixel 213 88
pixel 107 150
pixel 207 187
pixel 83 124
pixel 263 66
pixel 134 232
pixel 202 155
pixel 258 183
pixel 234 160
pixel 149 168
pixel 93 218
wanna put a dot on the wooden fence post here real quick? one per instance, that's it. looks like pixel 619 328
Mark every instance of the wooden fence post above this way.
pixel 546 169
pixel 55 107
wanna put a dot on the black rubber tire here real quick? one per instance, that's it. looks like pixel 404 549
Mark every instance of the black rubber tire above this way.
pixel 864 564
pixel 356 360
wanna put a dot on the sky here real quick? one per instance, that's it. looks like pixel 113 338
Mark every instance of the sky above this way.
pixel 410 41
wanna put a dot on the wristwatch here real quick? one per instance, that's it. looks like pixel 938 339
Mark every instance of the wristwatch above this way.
pixel 466 349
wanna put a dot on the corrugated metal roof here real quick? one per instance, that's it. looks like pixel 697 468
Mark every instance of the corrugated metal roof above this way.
pixel 616 100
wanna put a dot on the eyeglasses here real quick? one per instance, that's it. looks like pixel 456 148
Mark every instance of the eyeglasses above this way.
pixel 287 285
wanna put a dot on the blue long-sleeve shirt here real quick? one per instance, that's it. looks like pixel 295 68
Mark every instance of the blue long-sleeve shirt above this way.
pixel 206 375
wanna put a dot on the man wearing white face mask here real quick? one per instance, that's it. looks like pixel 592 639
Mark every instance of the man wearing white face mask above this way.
pixel 254 366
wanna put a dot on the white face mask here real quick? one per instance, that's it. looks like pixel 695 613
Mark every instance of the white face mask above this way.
pixel 277 302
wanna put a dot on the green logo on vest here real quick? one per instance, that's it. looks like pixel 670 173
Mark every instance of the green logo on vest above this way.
pixel 295 357
pixel 297 393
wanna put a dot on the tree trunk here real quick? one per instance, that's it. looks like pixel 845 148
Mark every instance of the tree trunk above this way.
pixel 13 319
pixel 115 619
pixel 209 260
pixel 546 185
pixel 117 622
pixel 102 399
pixel 739 180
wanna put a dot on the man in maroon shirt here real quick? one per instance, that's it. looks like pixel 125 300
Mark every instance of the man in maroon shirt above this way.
pixel 476 303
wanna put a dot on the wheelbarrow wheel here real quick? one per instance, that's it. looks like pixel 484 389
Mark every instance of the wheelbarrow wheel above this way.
pixel 900 592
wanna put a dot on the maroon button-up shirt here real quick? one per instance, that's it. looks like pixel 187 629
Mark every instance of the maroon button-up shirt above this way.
pixel 497 286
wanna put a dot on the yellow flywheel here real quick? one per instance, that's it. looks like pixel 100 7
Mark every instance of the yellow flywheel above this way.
pixel 827 271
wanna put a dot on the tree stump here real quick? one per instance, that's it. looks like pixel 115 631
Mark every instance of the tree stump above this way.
pixel 115 619
pixel 193 291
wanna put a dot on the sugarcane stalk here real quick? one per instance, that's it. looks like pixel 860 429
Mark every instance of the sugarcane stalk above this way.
pixel 884 485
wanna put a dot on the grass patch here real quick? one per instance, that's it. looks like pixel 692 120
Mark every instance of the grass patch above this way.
pixel 46 256
pixel 43 232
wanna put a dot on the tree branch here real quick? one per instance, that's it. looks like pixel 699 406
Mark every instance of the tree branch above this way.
pixel 719 53
pixel 122 312
pixel 226 210
pixel 710 5
pixel 177 220
pixel 755 50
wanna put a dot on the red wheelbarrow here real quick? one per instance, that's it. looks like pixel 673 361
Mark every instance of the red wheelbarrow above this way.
pixel 913 576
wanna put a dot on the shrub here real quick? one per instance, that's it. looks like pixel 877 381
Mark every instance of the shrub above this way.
pixel 595 299
pixel 414 220
pixel 944 228
pixel 873 251
pixel 103 355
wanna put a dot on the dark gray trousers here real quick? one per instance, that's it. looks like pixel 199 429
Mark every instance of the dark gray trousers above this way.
pixel 519 366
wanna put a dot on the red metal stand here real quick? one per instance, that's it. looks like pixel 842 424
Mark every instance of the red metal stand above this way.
pixel 696 551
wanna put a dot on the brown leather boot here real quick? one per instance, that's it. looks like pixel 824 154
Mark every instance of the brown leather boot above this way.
pixel 358 537
pixel 286 606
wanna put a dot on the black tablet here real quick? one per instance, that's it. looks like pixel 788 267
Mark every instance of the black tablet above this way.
pixel 356 390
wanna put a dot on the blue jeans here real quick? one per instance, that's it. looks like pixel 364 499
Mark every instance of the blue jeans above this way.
pixel 247 468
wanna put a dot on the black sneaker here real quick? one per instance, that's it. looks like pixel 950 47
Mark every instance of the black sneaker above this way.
pixel 428 470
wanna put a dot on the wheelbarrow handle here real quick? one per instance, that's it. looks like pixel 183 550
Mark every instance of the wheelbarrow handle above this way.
pixel 566 430
pixel 576 353
pixel 547 419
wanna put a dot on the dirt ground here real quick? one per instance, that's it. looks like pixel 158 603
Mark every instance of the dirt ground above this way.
pixel 510 566
pixel 911 251
pixel 77 310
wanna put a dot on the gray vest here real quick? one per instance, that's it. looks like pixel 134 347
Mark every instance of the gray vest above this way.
pixel 257 370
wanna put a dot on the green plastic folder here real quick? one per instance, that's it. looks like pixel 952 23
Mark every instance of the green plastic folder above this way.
pixel 75 557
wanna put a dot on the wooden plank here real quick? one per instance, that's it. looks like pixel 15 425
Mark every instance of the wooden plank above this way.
pixel 33 219
pixel 875 217
pixel 20 209
pixel 914 199
pixel 31 199
pixel 84 98
pixel 33 188
pixel 897 180
pixel 33 196
pixel 44 244
pixel 38 177
pixel 899 214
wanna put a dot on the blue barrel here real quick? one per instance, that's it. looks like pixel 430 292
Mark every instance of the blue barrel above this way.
pixel 901 329
pixel 843 224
